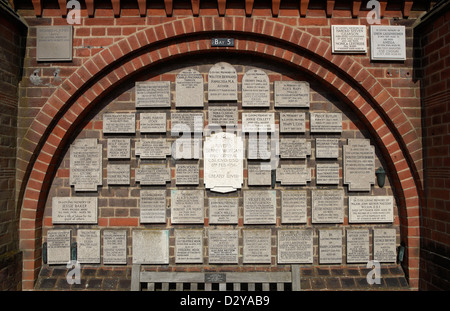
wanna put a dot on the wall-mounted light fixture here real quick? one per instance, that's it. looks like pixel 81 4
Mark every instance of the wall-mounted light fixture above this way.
pixel 381 176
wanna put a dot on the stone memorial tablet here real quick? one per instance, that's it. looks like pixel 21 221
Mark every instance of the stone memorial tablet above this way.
pixel 295 246
pixel 150 247
pixel 86 164
pixel 257 246
pixel 291 94
pixel 371 209
pixel 115 123
pixel 222 83
pixel 154 122
pixel 348 39
pixel 188 246
pixel 258 122
pixel 119 148
pixel 118 174
pixel 74 210
pixel 292 174
pixel 330 246
pixel 186 174
pixel 387 43
pixel 255 89
pixel 327 206
pixel 384 245
pixel 359 165
pixel 153 94
pixel 259 174
pixel 327 174
pixel 326 122
pixel 292 122
pixel 222 115
pixel 153 206
pixel 187 206
pixel 187 148
pixel 153 148
pixel 293 206
pixel 152 174
pixel 58 246
pixel 54 43
pixel 223 246
pixel 88 246
pixel 186 122
pixel 294 148
pixel 327 148
pixel 358 246
pixel 260 207
pixel 223 210
pixel 189 89
pixel 223 162
pixel 114 247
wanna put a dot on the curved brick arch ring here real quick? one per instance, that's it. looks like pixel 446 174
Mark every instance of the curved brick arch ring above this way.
pixel 50 131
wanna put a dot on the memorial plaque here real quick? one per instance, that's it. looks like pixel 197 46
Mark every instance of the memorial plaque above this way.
pixel 222 115
pixel 153 174
pixel 257 246
pixel 54 43
pixel 384 245
pixel 119 148
pixel 371 209
pixel 358 246
pixel 153 122
pixel 115 123
pixel 223 210
pixel 348 39
pixel 222 83
pixel 118 174
pixel 327 148
pixel 295 246
pixel 189 89
pixel 153 148
pixel 294 148
pixel 260 148
pixel 188 246
pixel 88 246
pixel 292 174
pixel 291 94
pixel 292 122
pixel 260 207
pixel 86 164
pixel 74 210
pixel 258 122
pixel 187 148
pixel 326 122
pixel 153 206
pixel 187 206
pixel 186 174
pixel 223 246
pixel 255 89
pixel 259 174
pixel 330 246
pixel 223 162
pixel 151 247
pixel 293 206
pixel 186 122
pixel 114 247
pixel 58 246
pixel 359 165
pixel 327 206
pixel 327 174
pixel 153 94
pixel 387 43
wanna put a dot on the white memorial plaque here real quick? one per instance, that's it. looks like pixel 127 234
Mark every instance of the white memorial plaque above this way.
pixel 222 83
pixel 330 246
pixel 153 94
pixel 255 89
pixel 153 206
pixel 257 246
pixel 387 42
pixel 223 210
pixel 186 122
pixel 327 148
pixel 223 246
pixel 114 247
pixel 294 148
pixel 292 174
pixel 150 246
pixel 187 206
pixel 259 174
pixel 54 43
pixel 384 245
pixel 188 246
pixel 119 148
pixel 118 174
pixel 222 116
pixel 291 94
pixel 295 246
pixel 293 206
pixel 260 207
pixel 86 164
pixel 74 210
pixel 153 148
pixel 258 122
pixel 326 122
pixel 88 246
pixel 187 148
pixel 58 246
pixel 348 39
pixel 260 148
pixel 370 209
pixel 292 122
pixel 327 174
pixel 152 174
pixel 358 246
pixel 359 165
pixel 327 206
pixel 114 123
pixel 153 122
pixel 186 174
pixel 189 89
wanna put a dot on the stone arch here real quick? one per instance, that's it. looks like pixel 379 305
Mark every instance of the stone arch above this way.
pixel 343 75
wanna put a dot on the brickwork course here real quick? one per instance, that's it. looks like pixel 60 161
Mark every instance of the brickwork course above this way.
pixel 401 106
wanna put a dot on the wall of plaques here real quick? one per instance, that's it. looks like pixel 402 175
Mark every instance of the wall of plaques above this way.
pixel 222 164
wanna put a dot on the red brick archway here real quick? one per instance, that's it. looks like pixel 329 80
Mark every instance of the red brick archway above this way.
pixel 79 94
